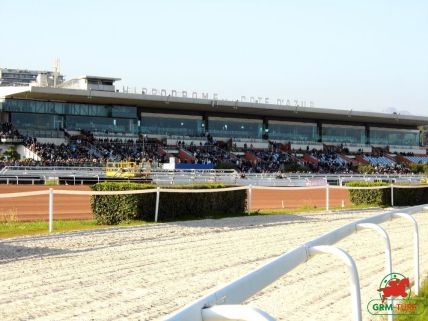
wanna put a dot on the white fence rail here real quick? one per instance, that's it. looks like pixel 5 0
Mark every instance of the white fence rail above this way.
pixel 51 192
pixel 78 174
pixel 228 298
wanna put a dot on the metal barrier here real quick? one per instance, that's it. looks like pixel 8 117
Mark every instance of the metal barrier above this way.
pixel 159 190
pixel 168 177
pixel 246 286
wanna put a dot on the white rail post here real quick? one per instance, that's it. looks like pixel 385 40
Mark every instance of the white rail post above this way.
pixel 50 210
pixel 327 198
pixel 392 195
pixel 384 234
pixel 157 203
pixel 354 278
pixel 415 247
pixel 388 259
pixel 249 199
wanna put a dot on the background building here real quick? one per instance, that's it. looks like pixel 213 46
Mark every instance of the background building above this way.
pixel 92 103
pixel 23 77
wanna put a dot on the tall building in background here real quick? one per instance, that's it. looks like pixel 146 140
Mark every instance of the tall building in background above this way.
pixel 23 77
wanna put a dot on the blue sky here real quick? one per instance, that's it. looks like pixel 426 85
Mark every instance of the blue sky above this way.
pixel 365 54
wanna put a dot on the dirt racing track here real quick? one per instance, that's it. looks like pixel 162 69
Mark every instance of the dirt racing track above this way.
pixel 78 206
pixel 31 208
pixel 146 272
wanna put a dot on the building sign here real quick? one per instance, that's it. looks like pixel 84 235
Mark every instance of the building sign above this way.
pixel 215 96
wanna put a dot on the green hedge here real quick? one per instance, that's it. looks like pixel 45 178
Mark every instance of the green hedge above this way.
pixel 374 197
pixel 410 196
pixel 382 197
pixel 172 206
pixel 114 209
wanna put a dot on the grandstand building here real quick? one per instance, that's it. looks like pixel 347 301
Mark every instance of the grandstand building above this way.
pixel 23 77
pixel 92 103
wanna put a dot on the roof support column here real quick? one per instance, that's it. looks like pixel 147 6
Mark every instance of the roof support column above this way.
pixel 367 131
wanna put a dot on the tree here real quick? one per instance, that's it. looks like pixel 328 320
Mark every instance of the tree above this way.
pixel 11 153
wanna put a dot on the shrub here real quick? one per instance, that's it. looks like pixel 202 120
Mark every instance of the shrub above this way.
pixel 172 206
pixel 410 196
pixel 114 209
pixel 375 197
pixel 419 168
pixel 382 197
pixel 11 153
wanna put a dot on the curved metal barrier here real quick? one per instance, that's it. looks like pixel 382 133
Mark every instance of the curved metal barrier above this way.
pixel 246 286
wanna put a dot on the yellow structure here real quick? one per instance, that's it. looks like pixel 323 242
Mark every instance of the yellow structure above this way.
pixel 127 169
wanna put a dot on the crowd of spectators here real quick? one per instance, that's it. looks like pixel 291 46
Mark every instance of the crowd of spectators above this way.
pixel 94 152
pixel 62 154
pixel 7 130
pixel 271 161
pixel 329 163
pixel 207 153
pixel 391 169
pixel 128 150
pixel 86 150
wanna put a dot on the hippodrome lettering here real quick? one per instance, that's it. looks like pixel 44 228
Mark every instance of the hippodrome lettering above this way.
pixel 215 96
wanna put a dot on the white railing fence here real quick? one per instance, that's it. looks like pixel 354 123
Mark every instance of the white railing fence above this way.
pixel 224 303
pixel 51 192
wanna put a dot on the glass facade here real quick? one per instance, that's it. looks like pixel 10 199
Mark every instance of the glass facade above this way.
pixel 124 111
pixel 32 121
pixel 87 110
pixel 172 125
pixel 39 125
pixel 390 136
pixel 235 128
pixel 102 124
pixel 293 132
pixel 48 107
pixel 343 134
pixel 47 117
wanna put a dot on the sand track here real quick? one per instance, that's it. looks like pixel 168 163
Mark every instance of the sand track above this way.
pixel 143 273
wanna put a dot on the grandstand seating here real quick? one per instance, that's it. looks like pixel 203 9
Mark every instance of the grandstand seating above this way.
pixel 329 162
pixel 418 159
pixel 379 160
pixel 85 149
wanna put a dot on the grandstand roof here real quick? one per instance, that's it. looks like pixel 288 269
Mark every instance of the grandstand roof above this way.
pixel 98 77
pixel 180 104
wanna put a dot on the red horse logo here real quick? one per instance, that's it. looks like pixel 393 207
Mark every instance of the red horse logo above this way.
pixel 394 288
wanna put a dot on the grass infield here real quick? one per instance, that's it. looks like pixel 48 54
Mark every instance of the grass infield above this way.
pixel 14 229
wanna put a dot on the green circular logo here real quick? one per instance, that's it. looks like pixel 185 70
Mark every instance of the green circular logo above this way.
pixel 394 279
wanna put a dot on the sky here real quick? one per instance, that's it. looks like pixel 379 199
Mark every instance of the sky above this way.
pixel 369 55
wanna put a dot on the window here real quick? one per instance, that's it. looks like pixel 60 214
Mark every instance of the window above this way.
pixel 293 132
